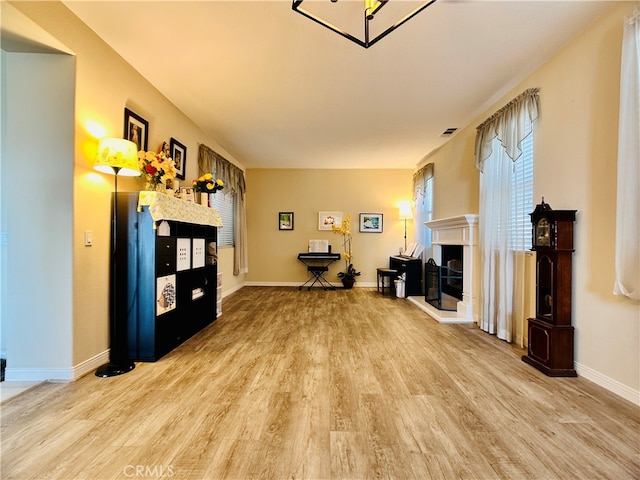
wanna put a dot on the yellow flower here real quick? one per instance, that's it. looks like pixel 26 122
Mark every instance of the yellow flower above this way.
pixel 207 176
pixel 220 182
pixel 210 186
pixel 169 170
pixel 345 230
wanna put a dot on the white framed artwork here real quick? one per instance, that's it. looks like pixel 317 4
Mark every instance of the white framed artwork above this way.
pixel 198 257
pixel 183 254
pixel 165 294
pixel 326 220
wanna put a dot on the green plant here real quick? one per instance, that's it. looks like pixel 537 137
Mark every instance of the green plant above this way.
pixel 351 272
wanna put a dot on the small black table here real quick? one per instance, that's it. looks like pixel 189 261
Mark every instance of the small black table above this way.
pixel 317 265
pixel 413 269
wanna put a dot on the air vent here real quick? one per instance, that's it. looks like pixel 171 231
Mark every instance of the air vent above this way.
pixel 448 132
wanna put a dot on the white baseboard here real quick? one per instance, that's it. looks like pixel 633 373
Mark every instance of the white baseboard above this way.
pixel 610 384
pixel 90 365
pixel 232 290
pixel 56 374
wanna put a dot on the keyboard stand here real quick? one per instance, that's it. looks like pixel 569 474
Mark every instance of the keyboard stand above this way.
pixel 317 275
pixel 317 265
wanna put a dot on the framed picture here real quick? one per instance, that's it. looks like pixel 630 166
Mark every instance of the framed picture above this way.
pixel 136 129
pixel 371 222
pixel 188 194
pixel 179 156
pixel 166 288
pixel 285 221
pixel 326 220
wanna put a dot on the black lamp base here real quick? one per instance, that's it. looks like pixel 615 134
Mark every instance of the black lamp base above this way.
pixel 114 369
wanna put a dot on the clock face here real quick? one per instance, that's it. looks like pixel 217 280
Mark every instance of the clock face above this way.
pixel 543 236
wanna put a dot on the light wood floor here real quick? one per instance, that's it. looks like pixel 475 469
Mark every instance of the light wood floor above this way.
pixel 324 385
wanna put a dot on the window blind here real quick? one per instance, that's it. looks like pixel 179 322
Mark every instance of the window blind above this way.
pixel 225 203
pixel 522 197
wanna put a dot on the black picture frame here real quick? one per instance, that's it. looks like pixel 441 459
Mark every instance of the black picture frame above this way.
pixel 285 221
pixel 136 129
pixel 179 157
pixel 371 223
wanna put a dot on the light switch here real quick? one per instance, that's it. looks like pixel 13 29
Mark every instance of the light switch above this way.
pixel 88 238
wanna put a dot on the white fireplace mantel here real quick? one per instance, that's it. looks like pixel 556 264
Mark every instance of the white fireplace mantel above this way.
pixel 459 230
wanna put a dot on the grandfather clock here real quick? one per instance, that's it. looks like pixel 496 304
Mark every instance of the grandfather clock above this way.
pixel 550 346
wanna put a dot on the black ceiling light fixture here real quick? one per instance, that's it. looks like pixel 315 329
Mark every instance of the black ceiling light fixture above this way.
pixel 371 8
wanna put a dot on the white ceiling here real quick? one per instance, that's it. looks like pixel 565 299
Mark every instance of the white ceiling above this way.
pixel 277 90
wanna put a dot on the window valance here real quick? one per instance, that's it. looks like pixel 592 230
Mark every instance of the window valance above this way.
pixel 233 178
pixel 420 179
pixel 510 125
pixel 210 161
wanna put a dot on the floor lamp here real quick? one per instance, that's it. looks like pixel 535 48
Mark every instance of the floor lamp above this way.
pixel 118 157
pixel 405 214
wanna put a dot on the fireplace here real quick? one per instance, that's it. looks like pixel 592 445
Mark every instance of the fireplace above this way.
pixel 444 283
pixel 455 256
pixel 452 264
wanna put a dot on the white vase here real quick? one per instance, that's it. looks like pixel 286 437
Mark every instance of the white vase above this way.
pixel 204 199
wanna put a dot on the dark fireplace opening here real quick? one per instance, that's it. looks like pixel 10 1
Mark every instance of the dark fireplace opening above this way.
pixel 443 283
pixel 453 267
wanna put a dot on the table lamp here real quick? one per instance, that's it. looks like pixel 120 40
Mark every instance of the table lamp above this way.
pixel 118 157
pixel 405 214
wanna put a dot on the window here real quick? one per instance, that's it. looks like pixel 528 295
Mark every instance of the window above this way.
pixel 226 205
pixel 522 197
pixel 424 213
pixel 423 198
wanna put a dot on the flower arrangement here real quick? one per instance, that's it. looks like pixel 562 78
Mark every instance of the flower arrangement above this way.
pixel 345 231
pixel 156 168
pixel 207 184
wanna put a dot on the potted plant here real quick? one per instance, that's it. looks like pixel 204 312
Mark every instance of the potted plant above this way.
pixel 205 184
pixel 349 276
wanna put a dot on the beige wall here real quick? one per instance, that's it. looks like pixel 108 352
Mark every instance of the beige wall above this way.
pixel 272 253
pixel 105 85
pixel 576 154
pixel 456 182
pixel 575 168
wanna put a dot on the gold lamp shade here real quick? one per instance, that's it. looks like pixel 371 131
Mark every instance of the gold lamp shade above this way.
pixel 117 156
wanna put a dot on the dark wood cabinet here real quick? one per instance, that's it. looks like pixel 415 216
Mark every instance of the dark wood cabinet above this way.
pixel 167 279
pixel 413 268
pixel 550 346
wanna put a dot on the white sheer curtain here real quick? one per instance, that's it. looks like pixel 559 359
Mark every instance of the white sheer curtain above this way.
pixel 627 254
pixel 423 201
pixel 498 147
